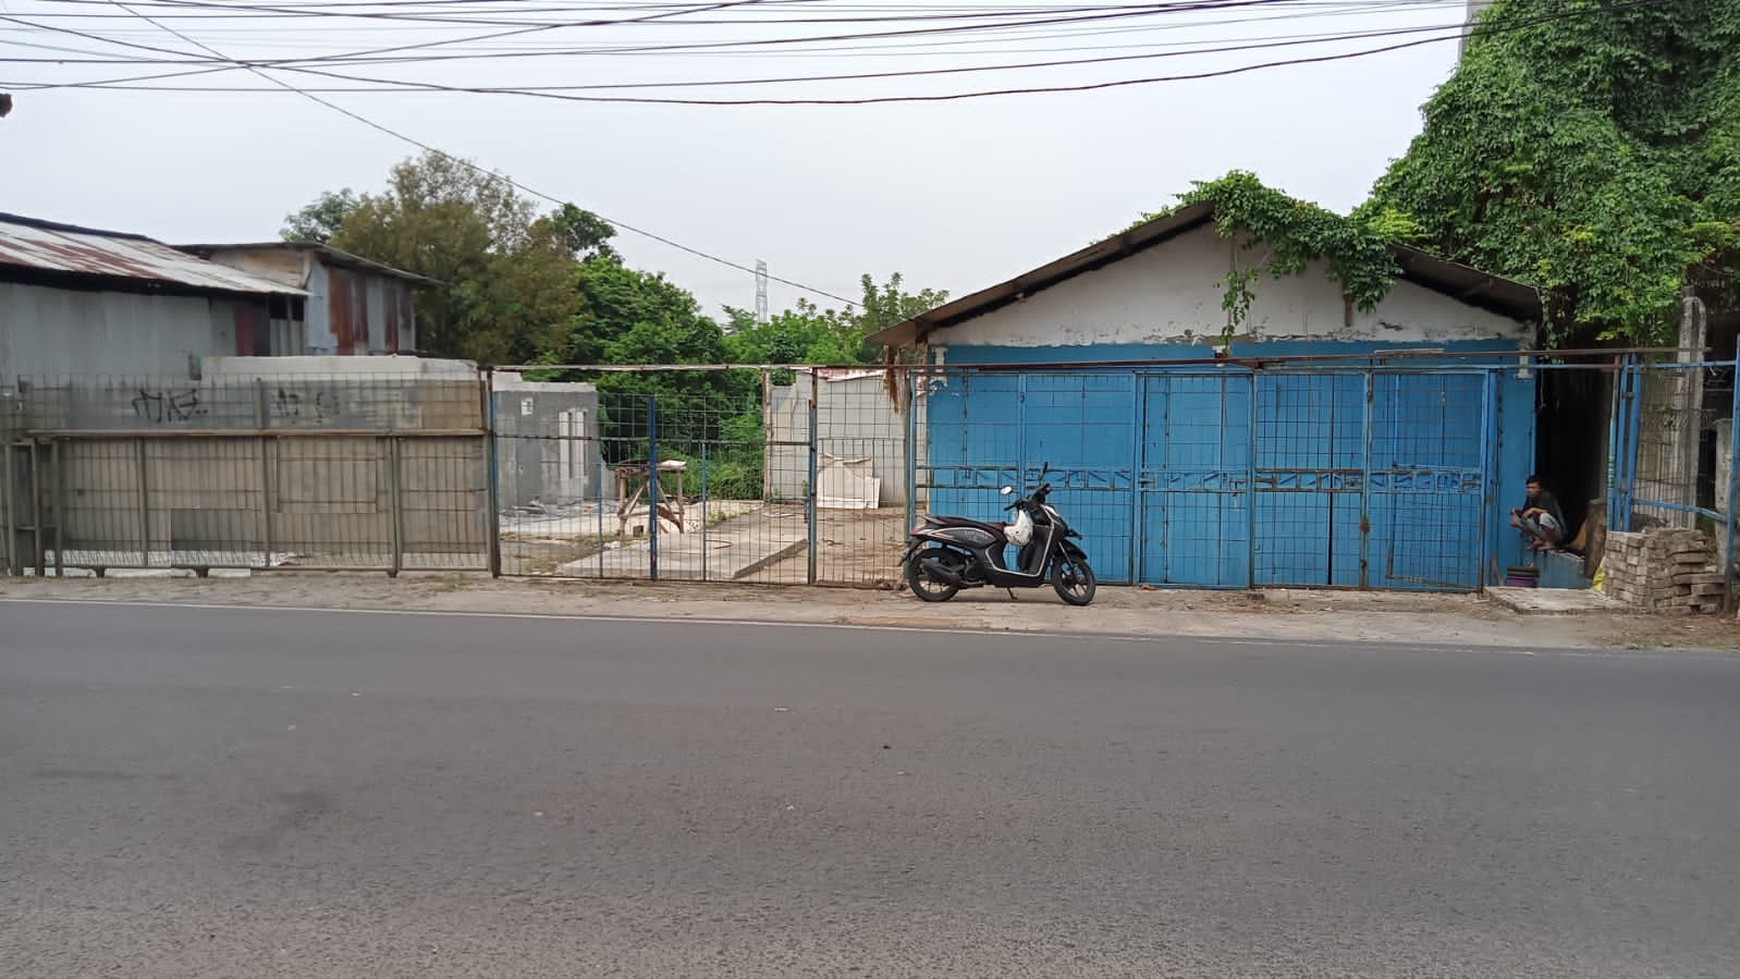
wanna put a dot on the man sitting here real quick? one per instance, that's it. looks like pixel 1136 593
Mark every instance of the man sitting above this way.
pixel 1539 518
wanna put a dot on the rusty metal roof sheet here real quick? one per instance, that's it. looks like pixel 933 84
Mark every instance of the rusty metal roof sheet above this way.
pixel 45 246
pixel 333 256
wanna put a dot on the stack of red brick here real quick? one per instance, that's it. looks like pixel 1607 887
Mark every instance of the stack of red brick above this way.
pixel 1662 569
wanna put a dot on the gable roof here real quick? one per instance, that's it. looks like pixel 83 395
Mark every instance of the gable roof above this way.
pixel 1483 290
pixel 331 255
pixel 66 250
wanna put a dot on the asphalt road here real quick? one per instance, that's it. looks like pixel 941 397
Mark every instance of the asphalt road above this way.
pixel 258 793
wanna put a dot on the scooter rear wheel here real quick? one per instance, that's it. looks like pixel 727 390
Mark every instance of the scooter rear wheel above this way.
pixel 923 585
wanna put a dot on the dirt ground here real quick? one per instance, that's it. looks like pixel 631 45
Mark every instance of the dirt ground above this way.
pixel 1304 616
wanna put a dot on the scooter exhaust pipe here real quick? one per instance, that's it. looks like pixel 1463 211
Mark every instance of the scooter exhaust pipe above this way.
pixel 935 569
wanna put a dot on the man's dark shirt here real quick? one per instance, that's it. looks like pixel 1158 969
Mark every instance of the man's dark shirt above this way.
pixel 1544 501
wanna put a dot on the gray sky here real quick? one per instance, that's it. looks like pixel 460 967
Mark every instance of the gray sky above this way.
pixel 956 195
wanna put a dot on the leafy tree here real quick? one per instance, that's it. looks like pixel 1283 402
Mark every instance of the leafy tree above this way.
pixel 507 278
pixel 805 335
pixel 321 219
pixel 1591 149
pixel 812 335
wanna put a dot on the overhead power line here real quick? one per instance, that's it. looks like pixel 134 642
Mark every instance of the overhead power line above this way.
pixel 568 93
pixel 382 128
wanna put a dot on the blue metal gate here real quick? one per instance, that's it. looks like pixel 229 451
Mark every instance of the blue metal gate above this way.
pixel 1368 478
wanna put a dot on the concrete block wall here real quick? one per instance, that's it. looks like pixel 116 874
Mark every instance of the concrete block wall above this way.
pixel 1663 569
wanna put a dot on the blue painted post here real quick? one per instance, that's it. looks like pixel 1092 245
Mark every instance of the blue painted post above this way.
pixel 1489 458
pixel 1139 411
pixel 652 486
pixel 1615 426
pixel 1251 477
pixel 1733 490
pixel 1365 482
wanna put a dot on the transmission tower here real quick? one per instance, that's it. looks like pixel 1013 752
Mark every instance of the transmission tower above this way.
pixel 760 291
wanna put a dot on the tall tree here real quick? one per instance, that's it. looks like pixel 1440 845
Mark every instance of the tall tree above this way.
pixel 1592 149
pixel 321 218
pixel 507 278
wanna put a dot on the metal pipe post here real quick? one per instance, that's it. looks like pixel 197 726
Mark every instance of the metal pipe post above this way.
pixel 36 504
pixel 1251 500
pixel 652 486
pixel 912 381
pixel 396 504
pixel 1733 490
pixel 7 491
pixel 262 418
pixel 493 520
pixel 703 509
pixel 1365 481
pixel 144 506
pixel 815 491
pixel 59 504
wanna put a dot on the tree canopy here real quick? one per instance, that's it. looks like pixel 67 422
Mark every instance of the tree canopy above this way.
pixel 1591 149
pixel 523 287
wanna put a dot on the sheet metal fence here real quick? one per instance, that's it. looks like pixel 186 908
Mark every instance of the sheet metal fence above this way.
pixel 294 472
pixel 1385 476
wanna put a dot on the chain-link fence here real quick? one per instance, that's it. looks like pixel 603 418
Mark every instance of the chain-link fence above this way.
pixel 790 476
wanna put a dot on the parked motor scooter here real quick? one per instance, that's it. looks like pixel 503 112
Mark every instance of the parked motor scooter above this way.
pixel 947 554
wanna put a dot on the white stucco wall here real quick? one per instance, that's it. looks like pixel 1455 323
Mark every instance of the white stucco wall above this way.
pixel 50 332
pixel 1172 293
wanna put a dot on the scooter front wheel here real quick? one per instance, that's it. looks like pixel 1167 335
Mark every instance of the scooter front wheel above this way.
pixel 923 585
pixel 1073 579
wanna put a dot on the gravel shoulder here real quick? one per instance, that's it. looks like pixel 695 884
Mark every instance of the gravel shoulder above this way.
pixel 1306 616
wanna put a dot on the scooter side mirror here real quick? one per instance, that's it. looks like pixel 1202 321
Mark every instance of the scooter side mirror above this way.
pixel 1006 490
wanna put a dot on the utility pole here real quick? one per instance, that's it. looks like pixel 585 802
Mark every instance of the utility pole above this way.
pixel 1474 9
pixel 760 291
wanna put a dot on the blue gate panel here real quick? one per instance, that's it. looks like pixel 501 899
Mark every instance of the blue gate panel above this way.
pixel 1231 478
pixel 990 430
pixel 1428 468
pixel 1310 452
pixel 1084 426
pixel 1195 479
pixel 974 436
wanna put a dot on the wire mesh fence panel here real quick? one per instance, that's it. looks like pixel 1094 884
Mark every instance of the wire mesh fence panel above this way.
pixel 861 474
pixel 1667 466
pixel 668 473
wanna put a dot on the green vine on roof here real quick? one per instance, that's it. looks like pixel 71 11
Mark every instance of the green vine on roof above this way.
pixel 1286 236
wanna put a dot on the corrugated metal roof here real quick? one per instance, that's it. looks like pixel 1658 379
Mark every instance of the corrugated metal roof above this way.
pixel 66 249
pixel 333 256
pixel 1483 290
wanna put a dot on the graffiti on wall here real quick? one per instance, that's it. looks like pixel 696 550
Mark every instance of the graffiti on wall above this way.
pixel 167 407
pixel 318 407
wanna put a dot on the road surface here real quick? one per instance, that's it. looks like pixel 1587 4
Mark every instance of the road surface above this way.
pixel 188 792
